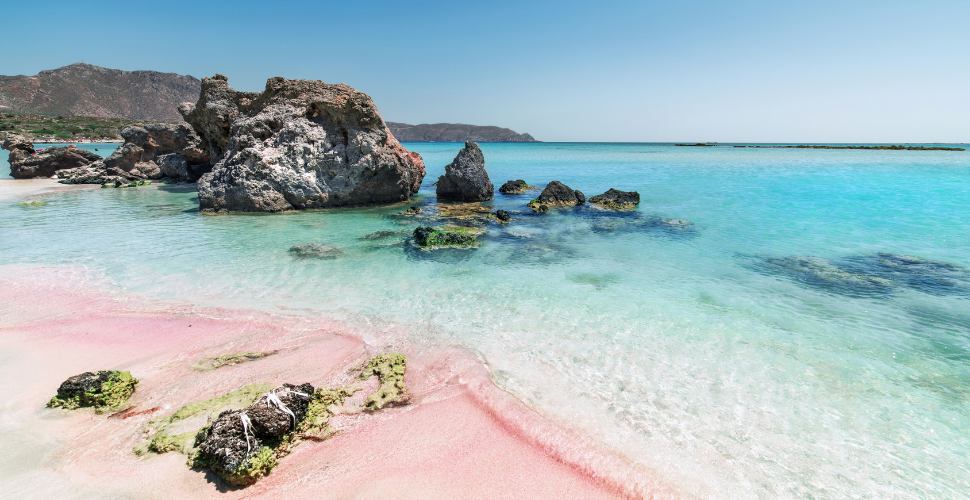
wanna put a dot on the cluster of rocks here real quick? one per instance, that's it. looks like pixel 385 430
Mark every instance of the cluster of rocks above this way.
pixel 152 151
pixel 298 144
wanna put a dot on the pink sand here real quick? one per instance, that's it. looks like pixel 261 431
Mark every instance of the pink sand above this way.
pixel 462 436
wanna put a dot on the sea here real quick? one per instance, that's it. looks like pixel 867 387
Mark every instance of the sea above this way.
pixel 768 323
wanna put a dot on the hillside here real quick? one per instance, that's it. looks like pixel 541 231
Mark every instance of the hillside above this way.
pixel 455 132
pixel 85 90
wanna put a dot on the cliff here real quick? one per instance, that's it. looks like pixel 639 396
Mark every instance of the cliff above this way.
pixel 85 90
pixel 454 132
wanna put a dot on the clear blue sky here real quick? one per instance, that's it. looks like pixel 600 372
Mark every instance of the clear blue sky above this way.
pixel 772 71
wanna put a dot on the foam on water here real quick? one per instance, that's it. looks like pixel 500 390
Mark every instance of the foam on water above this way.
pixel 712 353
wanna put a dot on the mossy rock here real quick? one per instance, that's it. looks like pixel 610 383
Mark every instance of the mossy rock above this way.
pixel 389 369
pixel 427 236
pixel 104 390
pixel 35 203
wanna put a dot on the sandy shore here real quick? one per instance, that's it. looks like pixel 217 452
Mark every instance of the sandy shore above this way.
pixel 14 189
pixel 461 436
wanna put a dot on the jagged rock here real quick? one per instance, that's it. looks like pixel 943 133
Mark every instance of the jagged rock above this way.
pixel 465 178
pixel 278 411
pixel 25 163
pixel 617 199
pixel 515 187
pixel 502 215
pixel 146 147
pixel 227 446
pixel 101 390
pixel 557 193
pixel 298 144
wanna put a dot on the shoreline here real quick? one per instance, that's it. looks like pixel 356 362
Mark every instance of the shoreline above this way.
pixel 462 436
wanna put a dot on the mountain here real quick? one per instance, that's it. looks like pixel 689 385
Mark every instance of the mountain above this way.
pixel 454 132
pixel 85 90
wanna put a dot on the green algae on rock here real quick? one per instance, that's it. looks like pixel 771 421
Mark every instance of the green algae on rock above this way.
pixel 389 369
pixel 427 236
pixel 35 203
pixel 104 390
pixel 230 360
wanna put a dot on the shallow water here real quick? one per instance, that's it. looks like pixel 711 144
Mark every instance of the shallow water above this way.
pixel 711 352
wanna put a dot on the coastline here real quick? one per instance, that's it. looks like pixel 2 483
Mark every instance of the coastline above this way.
pixel 462 436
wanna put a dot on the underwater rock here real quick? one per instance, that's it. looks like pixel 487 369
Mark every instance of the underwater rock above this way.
pixel 502 215
pixel 617 199
pixel 280 410
pixel 380 235
pixel 557 193
pixel 820 273
pixel 315 251
pixel 924 275
pixel 515 187
pixel 465 178
pixel 432 236
pixel 298 144
pixel 102 390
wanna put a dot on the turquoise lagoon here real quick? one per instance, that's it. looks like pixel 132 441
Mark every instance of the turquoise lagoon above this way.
pixel 706 352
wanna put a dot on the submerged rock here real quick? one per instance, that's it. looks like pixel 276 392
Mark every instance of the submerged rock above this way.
pixel 557 193
pixel 316 251
pixel 617 199
pixel 103 390
pixel 380 235
pixel 465 178
pixel 924 275
pixel 298 144
pixel 515 187
pixel 436 237
pixel 821 273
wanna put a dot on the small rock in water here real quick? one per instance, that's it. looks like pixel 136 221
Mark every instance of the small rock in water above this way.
pixel 515 187
pixel 615 198
pixel 465 178
pixel 380 235
pixel 502 215
pixel 432 236
pixel 316 251
pixel 411 211
pixel 557 193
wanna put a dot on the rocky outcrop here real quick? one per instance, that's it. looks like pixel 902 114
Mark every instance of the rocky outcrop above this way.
pixel 298 144
pixel 557 193
pixel 161 150
pixel 152 151
pixel 25 163
pixel 515 187
pixel 615 198
pixel 465 178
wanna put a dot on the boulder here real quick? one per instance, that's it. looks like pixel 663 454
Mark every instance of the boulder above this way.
pixel 557 193
pixel 515 187
pixel 615 198
pixel 17 142
pixel 227 446
pixel 298 144
pixel 465 178
pixel 433 236
pixel 46 162
pixel 278 411
pixel 502 215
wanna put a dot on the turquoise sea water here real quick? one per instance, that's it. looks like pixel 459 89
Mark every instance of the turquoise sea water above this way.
pixel 765 351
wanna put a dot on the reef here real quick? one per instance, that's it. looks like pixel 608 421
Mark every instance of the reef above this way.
pixel 103 390
pixel 299 144
pixel 465 178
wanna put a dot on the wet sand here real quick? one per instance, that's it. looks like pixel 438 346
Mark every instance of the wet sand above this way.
pixel 461 436
pixel 16 189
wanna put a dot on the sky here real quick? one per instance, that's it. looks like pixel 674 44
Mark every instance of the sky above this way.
pixel 608 71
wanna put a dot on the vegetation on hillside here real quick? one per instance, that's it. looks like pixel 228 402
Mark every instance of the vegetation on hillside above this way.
pixel 39 128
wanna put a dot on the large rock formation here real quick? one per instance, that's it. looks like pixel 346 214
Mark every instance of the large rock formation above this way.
pixel 465 178
pixel 298 144
pixel 25 163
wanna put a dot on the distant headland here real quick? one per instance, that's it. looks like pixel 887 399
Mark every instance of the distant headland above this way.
pixel 898 147
pixel 455 132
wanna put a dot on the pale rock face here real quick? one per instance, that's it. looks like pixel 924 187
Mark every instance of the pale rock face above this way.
pixel 299 144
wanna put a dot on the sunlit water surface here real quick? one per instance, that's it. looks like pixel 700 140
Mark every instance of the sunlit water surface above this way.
pixel 706 352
